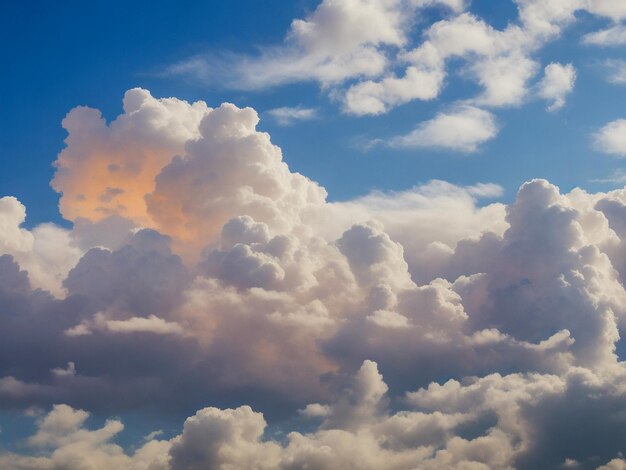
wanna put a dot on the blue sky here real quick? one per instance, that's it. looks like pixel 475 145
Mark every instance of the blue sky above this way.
pixel 408 276
pixel 74 54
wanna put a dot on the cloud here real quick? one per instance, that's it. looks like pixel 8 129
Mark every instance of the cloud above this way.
pixel 286 116
pixel 558 81
pixel 150 324
pixel 232 170
pixel 502 417
pixel 379 97
pixel 68 372
pixel 617 71
pixel 363 52
pixel 105 170
pixel 47 252
pixel 426 328
pixel 462 130
pixel 611 138
pixel 616 177
pixel 372 56
pixel 613 36
pixel 77 447
pixel 336 42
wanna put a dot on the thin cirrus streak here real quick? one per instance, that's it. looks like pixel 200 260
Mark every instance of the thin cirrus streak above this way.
pixel 420 329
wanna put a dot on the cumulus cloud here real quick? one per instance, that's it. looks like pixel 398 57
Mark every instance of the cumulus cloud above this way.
pixel 501 417
pixel 74 446
pixel 557 82
pixel 47 252
pixel 426 328
pixel 106 170
pixel 611 138
pixel 461 130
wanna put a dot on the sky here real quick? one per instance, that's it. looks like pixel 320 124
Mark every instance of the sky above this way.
pixel 360 234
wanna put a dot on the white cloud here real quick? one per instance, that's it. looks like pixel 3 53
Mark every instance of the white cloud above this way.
pixel 504 79
pixel 611 138
pixel 338 40
pixel 558 81
pixel 613 9
pixel 363 52
pixel 47 252
pixel 613 36
pixel 286 116
pixel 379 97
pixel 462 130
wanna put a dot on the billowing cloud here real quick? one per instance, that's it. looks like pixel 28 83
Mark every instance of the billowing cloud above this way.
pixel 47 252
pixel 106 170
pixel 462 130
pixel 502 418
pixel 426 328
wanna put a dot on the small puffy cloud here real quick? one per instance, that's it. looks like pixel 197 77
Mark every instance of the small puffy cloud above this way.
pixel 69 371
pixel 463 129
pixel 286 116
pixel 611 138
pixel 371 98
pixel 504 79
pixel 557 82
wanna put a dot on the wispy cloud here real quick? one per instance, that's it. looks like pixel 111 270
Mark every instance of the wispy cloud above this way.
pixel 286 116
pixel 613 36
pixel 616 71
